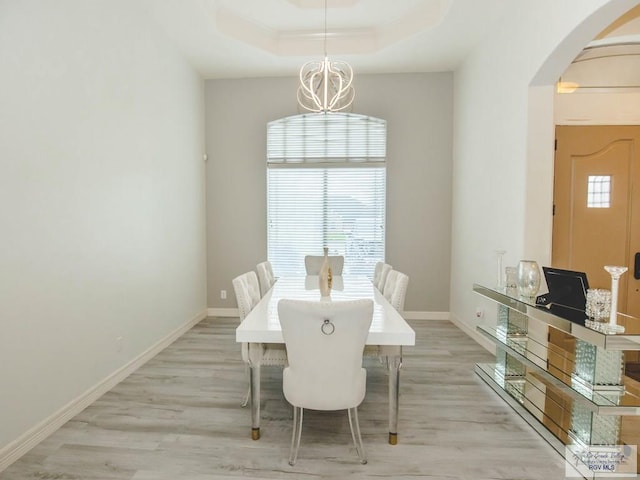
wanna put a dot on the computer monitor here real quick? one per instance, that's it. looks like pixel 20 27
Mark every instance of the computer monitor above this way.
pixel 567 295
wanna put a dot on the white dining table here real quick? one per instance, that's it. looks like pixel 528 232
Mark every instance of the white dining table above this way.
pixel 389 332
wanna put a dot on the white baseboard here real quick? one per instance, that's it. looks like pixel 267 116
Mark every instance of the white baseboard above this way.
pixel 223 312
pixel 473 333
pixel 16 449
pixel 426 315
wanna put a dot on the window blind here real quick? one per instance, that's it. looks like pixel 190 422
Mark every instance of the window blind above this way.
pixel 326 186
pixel 326 138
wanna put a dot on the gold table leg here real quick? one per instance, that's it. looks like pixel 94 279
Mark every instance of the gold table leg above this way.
pixel 395 363
pixel 255 357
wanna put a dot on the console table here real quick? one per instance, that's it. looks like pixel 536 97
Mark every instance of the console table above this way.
pixel 565 378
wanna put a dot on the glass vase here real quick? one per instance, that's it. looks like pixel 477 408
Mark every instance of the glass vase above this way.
pixel 528 278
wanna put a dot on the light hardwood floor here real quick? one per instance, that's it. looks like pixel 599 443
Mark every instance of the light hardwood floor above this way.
pixel 179 417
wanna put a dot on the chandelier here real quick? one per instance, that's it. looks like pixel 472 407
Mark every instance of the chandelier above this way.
pixel 325 86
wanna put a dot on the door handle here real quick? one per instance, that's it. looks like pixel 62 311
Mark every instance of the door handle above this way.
pixel 636 266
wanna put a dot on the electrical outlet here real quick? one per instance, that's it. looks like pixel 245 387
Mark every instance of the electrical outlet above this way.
pixel 223 294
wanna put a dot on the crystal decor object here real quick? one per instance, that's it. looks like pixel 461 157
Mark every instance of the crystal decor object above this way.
pixel 511 277
pixel 598 306
pixel 528 278
pixel 615 272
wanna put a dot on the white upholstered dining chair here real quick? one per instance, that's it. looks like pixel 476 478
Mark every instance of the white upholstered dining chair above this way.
pixel 313 263
pixel 265 276
pixel 380 274
pixel 395 289
pixel 247 290
pixel 325 342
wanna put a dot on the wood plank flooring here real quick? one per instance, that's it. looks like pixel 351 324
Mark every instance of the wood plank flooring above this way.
pixel 179 417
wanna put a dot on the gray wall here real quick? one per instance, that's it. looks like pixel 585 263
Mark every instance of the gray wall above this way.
pixel 418 109
pixel 102 201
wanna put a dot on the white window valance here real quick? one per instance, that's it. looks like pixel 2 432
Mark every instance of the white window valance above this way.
pixel 326 138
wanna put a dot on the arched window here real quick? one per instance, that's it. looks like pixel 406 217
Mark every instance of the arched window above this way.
pixel 326 181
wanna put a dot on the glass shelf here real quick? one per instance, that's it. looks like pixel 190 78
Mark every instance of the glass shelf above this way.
pixel 605 404
pixel 564 377
pixel 578 327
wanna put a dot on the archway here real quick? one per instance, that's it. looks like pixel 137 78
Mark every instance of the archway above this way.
pixel 540 171
pixel 541 135
pixel 597 125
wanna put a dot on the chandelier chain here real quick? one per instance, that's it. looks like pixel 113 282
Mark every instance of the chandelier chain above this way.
pixel 325 28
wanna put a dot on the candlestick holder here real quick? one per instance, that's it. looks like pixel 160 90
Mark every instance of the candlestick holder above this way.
pixel 615 272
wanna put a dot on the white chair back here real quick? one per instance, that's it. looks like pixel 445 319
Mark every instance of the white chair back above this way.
pixel 325 359
pixel 390 284
pixel 247 290
pixel 313 264
pixel 265 276
pixel 380 274
pixel 395 289
pixel 400 292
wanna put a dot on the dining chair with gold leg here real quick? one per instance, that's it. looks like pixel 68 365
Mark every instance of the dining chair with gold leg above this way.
pixel 265 276
pixel 247 290
pixel 398 293
pixel 380 274
pixel 395 291
pixel 325 341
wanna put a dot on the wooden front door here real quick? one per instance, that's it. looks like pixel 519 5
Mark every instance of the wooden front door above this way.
pixel 597 205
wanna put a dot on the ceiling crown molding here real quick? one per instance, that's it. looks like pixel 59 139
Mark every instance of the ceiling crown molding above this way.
pixel 278 39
